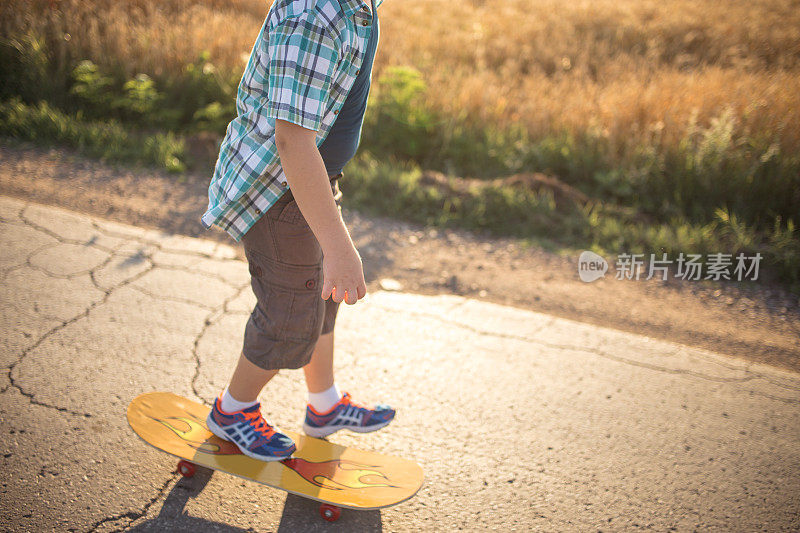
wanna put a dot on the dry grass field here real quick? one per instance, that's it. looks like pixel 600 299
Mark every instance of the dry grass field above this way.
pixel 624 68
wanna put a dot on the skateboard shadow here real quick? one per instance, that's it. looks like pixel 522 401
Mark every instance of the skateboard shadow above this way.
pixel 171 517
pixel 302 514
pixel 299 514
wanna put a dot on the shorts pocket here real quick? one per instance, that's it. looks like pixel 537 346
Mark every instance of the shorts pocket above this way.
pixel 288 212
pixel 288 305
pixel 294 242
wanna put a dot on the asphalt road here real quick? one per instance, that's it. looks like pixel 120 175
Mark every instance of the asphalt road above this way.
pixel 520 420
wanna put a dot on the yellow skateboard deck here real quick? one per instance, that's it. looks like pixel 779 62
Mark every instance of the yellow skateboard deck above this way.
pixel 318 469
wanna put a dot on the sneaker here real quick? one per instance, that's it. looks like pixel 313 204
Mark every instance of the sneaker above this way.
pixel 254 436
pixel 346 414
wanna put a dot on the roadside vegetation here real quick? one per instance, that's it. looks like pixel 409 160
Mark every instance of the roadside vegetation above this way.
pixel 617 126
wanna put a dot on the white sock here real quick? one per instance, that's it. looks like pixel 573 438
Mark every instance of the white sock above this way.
pixel 230 404
pixel 322 402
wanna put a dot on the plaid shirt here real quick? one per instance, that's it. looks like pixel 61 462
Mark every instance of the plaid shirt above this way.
pixel 302 66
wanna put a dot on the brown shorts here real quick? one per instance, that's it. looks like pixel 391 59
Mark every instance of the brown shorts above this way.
pixel 285 262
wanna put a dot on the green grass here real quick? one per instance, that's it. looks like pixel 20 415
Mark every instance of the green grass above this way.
pixel 108 140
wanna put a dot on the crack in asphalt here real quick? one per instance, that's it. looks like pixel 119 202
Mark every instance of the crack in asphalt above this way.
pixel 73 275
pixel 38 312
pixel 162 248
pixel 8 270
pixel 61 239
pixel 750 375
pixel 191 270
pixel 85 313
pixel 64 323
pixel 214 316
pixel 90 271
pixel 174 299
pixel 132 516
pixel 108 291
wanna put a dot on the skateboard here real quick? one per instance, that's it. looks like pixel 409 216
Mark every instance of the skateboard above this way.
pixel 336 476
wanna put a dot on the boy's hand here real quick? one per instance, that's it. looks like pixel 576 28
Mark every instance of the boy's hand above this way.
pixel 343 275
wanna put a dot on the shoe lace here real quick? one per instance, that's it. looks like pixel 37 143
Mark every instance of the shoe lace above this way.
pixel 347 400
pixel 260 424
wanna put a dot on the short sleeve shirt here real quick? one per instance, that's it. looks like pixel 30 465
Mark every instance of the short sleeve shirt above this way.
pixel 301 69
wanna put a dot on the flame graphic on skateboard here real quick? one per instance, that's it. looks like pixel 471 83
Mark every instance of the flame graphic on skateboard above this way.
pixel 195 434
pixel 335 474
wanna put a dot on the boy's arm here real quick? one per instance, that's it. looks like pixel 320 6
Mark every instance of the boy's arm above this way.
pixel 343 276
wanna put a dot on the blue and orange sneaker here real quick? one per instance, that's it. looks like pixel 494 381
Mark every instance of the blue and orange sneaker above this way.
pixel 254 436
pixel 346 414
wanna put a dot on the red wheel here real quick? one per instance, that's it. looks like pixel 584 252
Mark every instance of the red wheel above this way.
pixel 329 512
pixel 185 468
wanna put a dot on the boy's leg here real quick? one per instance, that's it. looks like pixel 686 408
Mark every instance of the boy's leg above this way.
pixel 323 394
pixel 330 410
pixel 248 380
pixel 319 371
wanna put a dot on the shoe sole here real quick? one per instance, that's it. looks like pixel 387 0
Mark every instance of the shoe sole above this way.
pixel 214 428
pixel 319 433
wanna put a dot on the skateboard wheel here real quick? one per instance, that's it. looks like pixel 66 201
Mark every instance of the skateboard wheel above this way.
pixel 185 468
pixel 329 512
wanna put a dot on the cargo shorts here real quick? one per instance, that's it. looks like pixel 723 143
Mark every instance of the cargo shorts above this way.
pixel 285 263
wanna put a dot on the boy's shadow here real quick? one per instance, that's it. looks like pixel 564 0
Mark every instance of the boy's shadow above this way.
pixel 299 514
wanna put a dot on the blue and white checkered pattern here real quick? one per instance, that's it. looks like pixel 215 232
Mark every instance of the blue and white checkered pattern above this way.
pixel 301 68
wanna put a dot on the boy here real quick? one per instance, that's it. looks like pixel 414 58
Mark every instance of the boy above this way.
pixel 300 107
